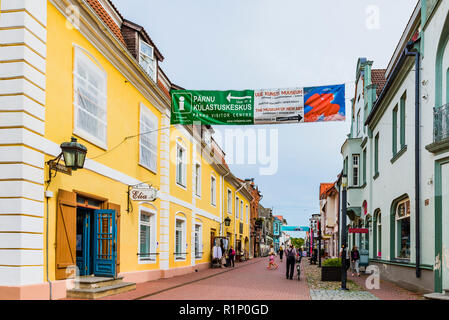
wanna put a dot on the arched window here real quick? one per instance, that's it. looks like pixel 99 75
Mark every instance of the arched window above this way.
pixel 403 229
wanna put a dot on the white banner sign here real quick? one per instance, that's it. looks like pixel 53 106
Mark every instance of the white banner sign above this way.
pixel 143 194
pixel 279 106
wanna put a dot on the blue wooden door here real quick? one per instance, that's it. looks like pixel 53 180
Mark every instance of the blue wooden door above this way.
pixel 105 238
pixel 83 242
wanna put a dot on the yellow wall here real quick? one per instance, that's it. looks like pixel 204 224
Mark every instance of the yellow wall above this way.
pixel 123 113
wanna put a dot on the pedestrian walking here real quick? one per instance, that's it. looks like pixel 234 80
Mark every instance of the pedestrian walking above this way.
pixel 281 251
pixel 271 263
pixel 290 254
pixel 231 254
pixel 355 259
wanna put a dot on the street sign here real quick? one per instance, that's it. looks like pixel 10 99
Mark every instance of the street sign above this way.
pixel 60 168
pixel 264 106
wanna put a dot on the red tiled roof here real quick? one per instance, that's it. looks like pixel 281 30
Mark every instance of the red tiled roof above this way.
pixel 279 217
pixel 106 18
pixel 378 77
pixel 324 187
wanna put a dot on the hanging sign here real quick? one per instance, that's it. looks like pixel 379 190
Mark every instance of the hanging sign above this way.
pixel 265 106
pixel 293 228
pixel 358 230
pixel 142 193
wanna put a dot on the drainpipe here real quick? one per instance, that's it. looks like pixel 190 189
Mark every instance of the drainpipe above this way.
pixel 46 246
pixel 409 51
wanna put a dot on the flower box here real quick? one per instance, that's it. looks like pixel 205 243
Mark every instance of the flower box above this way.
pixel 330 273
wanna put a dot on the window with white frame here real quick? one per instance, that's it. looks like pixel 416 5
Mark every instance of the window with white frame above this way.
pixel 148 139
pixel 213 193
pixel 247 214
pixel 181 166
pixel 237 205
pixel 198 242
pixel 229 201
pixel 180 239
pixel 355 169
pixel 241 209
pixel 90 108
pixel 198 179
pixel 147 60
pixel 403 229
pixel 147 237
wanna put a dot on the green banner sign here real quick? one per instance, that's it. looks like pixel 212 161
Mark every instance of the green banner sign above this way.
pixel 212 107
pixel 264 106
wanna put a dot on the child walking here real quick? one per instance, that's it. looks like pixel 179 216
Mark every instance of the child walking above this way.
pixel 271 263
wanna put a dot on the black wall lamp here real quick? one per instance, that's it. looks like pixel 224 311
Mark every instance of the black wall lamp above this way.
pixel 74 155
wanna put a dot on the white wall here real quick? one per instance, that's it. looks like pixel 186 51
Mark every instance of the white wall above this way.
pixel 22 115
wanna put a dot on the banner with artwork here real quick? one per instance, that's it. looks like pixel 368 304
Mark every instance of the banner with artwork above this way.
pixel 264 106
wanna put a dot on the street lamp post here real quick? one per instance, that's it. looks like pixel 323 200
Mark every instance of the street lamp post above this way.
pixel 344 184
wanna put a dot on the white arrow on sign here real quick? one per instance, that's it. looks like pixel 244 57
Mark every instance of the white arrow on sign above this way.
pixel 229 97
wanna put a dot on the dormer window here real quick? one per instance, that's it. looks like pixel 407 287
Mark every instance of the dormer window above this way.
pixel 147 60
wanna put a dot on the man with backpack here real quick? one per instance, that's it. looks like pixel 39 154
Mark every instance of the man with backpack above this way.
pixel 291 260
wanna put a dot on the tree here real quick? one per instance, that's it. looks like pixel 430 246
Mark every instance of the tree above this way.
pixel 297 242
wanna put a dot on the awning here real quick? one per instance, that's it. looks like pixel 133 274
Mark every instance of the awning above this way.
pixel 354 212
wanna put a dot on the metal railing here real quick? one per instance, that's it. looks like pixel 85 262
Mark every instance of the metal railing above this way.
pixel 441 123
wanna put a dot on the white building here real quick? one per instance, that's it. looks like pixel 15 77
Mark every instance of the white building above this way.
pixel 390 177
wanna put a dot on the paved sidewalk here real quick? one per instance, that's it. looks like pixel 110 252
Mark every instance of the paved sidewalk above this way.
pixel 157 286
pixel 249 280
pixel 387 290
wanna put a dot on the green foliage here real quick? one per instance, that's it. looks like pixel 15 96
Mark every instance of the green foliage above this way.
pixel 335 262
pixel 297 242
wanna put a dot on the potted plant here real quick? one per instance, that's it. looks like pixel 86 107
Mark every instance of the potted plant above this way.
pixel 331 270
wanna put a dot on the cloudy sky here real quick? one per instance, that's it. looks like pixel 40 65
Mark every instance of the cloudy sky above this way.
pixel 251 44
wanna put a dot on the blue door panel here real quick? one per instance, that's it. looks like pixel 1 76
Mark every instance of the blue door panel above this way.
pixel 105 233
pixel 83 255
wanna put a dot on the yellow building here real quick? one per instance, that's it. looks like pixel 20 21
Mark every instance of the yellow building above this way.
pixel 77 68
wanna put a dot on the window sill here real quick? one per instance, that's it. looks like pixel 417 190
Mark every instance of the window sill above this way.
pixel 398 154
pixel 147 261
pixel 89 138
pixel 181 186
pixel 180 259
pixel 405 263
pixel 147 168
pixel 376 176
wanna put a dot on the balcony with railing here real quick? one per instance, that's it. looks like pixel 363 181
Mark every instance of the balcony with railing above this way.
pixel 440 129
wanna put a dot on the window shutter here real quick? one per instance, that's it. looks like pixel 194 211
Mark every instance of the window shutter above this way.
pixel 65 233
pixel 116 207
